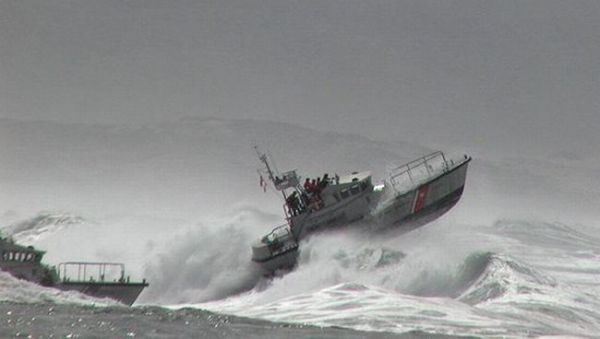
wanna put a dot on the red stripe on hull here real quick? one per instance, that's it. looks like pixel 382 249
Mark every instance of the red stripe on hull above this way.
pixel 421 196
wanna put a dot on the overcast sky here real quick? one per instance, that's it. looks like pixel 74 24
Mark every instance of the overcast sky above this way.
pixel 516 75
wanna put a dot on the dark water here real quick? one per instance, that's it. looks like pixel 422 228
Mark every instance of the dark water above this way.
pixel 76 321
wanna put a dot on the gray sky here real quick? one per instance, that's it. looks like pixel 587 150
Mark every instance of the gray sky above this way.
pixel 518 75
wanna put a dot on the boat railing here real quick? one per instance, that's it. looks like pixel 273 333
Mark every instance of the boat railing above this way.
pixel 411 174
pixel 78 271
pixel 286 180
pixel 280 239
pixel 279 233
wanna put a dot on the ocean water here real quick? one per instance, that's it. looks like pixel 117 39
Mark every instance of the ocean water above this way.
pixel 510 279
pixel 53 320
pixel 518 256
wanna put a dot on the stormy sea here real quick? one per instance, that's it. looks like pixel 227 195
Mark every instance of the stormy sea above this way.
pixel 180 203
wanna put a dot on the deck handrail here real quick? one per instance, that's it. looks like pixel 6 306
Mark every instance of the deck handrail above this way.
pixel 82 267
pixel 417 163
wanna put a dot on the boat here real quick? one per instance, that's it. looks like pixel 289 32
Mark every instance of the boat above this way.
pixel 411 196
pixel 90 278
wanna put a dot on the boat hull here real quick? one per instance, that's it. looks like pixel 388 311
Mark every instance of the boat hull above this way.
pixel 282 261
pixel 125 293
pixel 425 203
pixel 25 262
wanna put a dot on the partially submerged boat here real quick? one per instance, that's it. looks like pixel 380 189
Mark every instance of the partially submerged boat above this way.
pixel 97 279
pixel 413 195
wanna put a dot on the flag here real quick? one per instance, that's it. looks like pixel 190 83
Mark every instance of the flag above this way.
pixel 263 184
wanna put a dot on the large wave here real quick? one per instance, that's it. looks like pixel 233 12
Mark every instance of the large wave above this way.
pixel 487 294
pixel 44 223
pixel 207 261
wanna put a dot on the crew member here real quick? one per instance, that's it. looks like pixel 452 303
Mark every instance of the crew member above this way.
pixel 293 203
pixel 307 186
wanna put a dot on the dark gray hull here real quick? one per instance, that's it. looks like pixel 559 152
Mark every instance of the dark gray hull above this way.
pixel 125 293
pixel 25 262
pixel 283 261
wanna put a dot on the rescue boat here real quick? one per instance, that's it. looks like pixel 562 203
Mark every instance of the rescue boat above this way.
pixel 412 195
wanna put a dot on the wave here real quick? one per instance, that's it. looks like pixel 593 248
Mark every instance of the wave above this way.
pixel 204 265
pixel 448 283
pixel 21 291
pixel 465 302
pixel 501 275
pixel 369 258
pixel 209 261
pixel 41 225
pixel 482 276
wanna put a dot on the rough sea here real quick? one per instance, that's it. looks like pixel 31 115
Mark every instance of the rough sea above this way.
pixel 514 279
pixel 518 256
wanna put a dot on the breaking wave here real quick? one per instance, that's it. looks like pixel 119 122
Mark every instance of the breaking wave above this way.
pixel 208 261
pixel 498 275
pixel 41 225
pixel 205 265
pixel 481 277
pixel 486 295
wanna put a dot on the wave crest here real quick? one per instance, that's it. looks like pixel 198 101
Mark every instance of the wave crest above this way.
pixel 41 225
pixel 502 275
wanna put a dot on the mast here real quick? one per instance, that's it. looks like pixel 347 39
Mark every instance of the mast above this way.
pixel 263 158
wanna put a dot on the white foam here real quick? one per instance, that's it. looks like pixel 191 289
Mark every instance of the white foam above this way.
pixel 21 291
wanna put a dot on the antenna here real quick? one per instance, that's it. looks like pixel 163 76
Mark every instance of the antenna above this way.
pixel 263 158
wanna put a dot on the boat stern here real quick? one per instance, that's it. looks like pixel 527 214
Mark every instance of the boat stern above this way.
pixel 277 250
